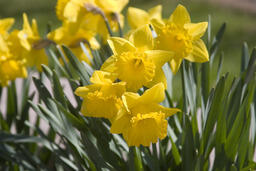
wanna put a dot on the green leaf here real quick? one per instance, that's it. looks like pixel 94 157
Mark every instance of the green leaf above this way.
pixel 56 63
pixel 58 90
pixel 220 66
pixel 244 57
pixel 76 122
pixel 251 67
pixel 175 152
pixel 77 64
pixel 12 106
pixel 216 41
pixel 213 105
pixel 93 153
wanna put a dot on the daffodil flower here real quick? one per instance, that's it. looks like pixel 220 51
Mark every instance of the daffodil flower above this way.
pixel 65 35
pixel 103 97
pixel 11 66
pixel 182 37
pixel 134 61
pixel 137 17
pixel 29 37
pixel 84 14
pixel 10 69
pixel 142 120
pixel 5 25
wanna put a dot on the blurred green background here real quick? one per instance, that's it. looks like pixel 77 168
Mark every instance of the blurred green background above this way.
pixel 241 25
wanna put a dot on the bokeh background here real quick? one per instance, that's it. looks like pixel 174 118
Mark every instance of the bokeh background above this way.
pixel 240 16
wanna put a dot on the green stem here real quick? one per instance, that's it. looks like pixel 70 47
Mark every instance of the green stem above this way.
pixel 135 161
pixel 183 87
pixel 107 24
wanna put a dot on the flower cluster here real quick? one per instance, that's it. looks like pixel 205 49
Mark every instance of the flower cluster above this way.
pixel 136 64
pixel 19 49
pixel 81 20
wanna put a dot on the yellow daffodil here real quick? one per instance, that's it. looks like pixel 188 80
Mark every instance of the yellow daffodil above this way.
pixel 11 69
pixel 182 37
pixel 72 10
pixel 138 17
pixel 112 12
pixel 64 35
pixel 5 25
pixel 91 14
pixel 112 6
pixel 134 61
pixel 29 39
pixel 103 97
pixel 142 120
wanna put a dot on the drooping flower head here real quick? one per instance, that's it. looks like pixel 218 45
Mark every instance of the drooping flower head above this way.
pixel 142 120
pixel 134 61
pixel 182 37
pixel 103 97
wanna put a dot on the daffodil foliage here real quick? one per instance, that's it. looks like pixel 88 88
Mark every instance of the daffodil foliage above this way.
pixel 88 96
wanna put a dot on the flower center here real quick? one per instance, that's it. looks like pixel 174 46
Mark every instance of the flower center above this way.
pixel 175 38
pixel 135 69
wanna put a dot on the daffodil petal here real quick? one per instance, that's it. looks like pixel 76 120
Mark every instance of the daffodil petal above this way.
pixel 6 24
pixel 142 38
pixel 146 129
pixel 157 24
pixel 130 99
pixel 137 17
pixel 180 16
pixel 159 57
pixel 112 5
pixel 120 123
pixel 120 45
pixel 71 11
pixel 35 28
pixel 169 111
pixel 109 65
pixel 175 64
pixel 158 108
pixel 83 91
pixel 154 95
pixel 26 26
pixel 3 45
pixel 101 77
pixel 94 43
pixel 158 78
pixel 200 53
pixel 156 12
pixel 196 30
